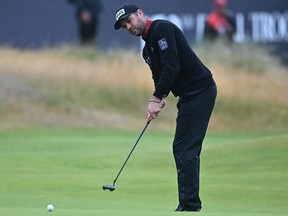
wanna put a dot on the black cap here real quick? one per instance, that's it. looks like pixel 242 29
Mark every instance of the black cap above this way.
pixel 123 12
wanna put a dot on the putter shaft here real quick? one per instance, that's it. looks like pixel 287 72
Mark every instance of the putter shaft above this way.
pixel 114 182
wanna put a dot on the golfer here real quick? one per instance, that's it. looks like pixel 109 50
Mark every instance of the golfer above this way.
pixel 177 69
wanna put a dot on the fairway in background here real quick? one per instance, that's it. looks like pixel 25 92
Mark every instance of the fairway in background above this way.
pixel 78 87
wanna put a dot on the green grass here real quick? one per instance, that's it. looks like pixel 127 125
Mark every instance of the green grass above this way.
pixel 242 174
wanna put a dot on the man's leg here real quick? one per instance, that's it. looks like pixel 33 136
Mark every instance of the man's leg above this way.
pixel 194 111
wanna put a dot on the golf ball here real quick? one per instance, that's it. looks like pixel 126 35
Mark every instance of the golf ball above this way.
pixel 50 207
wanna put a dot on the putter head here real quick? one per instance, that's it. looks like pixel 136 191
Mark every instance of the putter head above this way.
pixel 109 187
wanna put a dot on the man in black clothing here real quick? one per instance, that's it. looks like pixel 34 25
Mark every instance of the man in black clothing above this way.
pixel 176 68
pixel 87 16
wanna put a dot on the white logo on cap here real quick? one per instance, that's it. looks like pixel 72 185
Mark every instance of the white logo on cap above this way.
pixel 119 14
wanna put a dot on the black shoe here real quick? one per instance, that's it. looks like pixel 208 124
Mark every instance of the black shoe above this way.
pixel 196 210
pixel 181 208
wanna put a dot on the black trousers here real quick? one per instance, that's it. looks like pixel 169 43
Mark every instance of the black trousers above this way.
pixel 88 31
pixel 194 111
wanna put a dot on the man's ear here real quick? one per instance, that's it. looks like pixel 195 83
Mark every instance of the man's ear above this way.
pixel 140 12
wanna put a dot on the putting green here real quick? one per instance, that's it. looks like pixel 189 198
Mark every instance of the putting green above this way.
pixel 241 174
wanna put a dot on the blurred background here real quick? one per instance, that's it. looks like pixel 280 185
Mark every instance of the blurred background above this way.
pixel 48 78
pixel 38 23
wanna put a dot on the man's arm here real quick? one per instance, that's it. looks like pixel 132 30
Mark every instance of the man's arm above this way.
pixel 165 42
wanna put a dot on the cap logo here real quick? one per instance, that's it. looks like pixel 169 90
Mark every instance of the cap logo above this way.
pixel 119 14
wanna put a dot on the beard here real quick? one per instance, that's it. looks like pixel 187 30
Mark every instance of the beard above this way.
pixel 136 32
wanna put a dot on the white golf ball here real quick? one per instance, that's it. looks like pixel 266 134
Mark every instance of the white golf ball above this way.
pixel 50 207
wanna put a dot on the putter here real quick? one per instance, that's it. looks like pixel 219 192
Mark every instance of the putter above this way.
pixel 112 187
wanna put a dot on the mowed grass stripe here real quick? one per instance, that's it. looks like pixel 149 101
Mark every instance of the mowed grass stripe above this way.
pixel 250 175
pixel 242 174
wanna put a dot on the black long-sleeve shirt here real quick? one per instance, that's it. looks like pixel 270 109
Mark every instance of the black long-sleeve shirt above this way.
pixel 174 65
